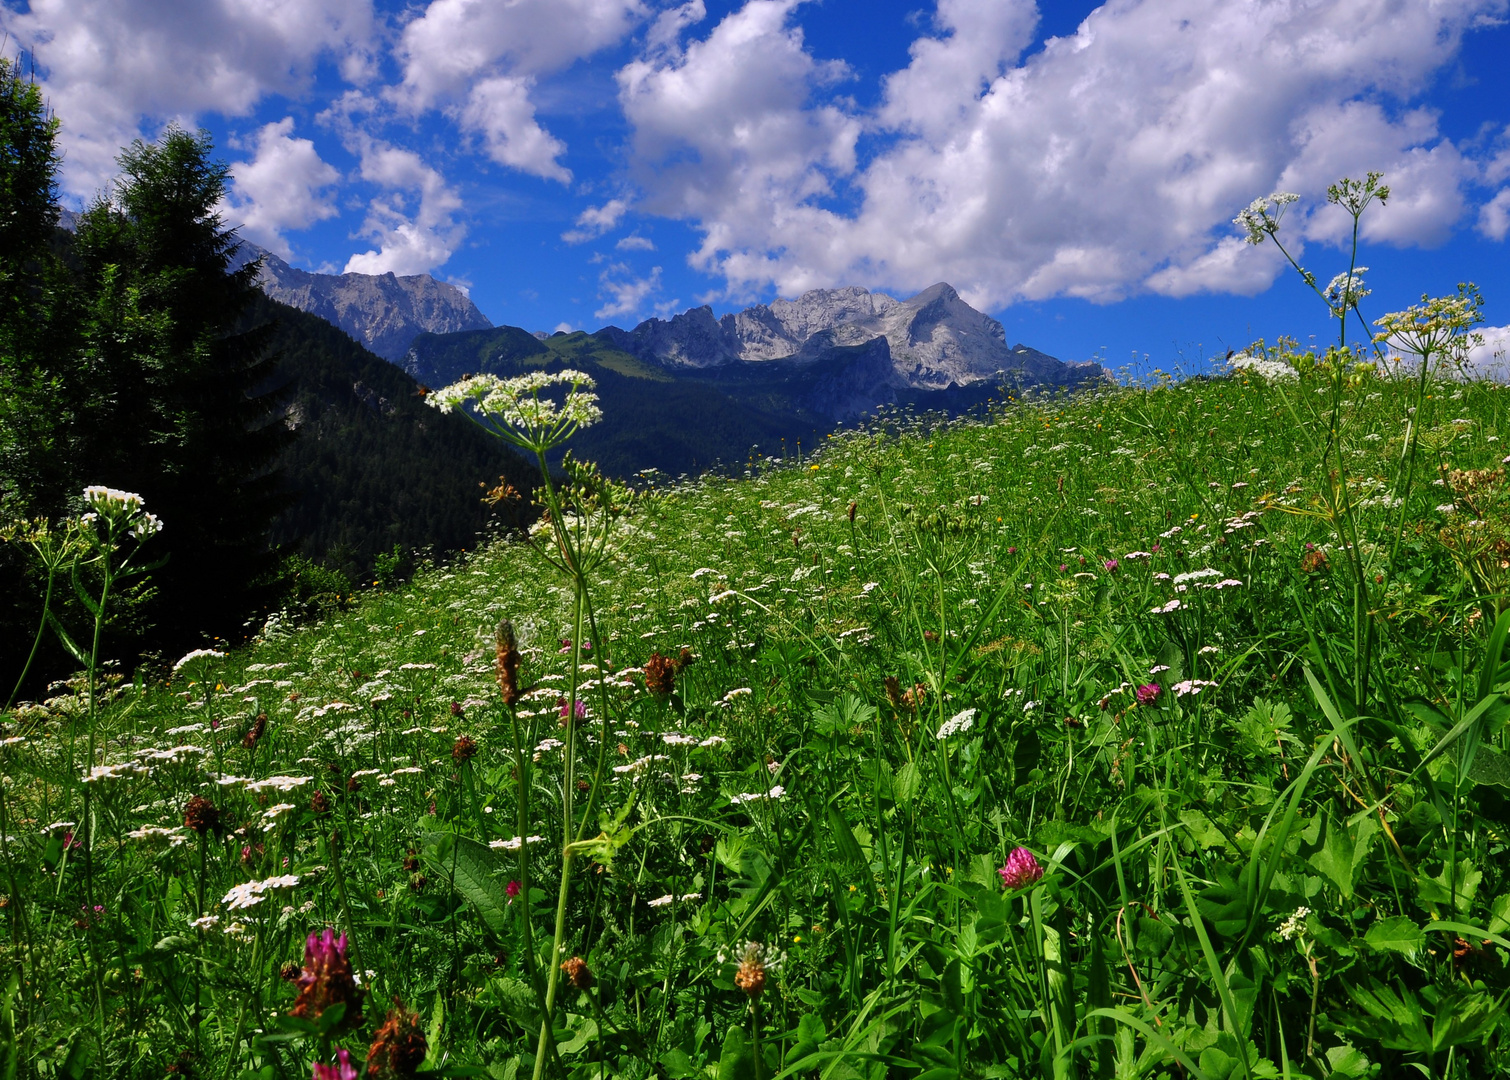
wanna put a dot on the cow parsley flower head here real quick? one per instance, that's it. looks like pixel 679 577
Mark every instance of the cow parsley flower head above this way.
pixel 1261 218
pixel 1345 290
pixel 517 409
pixel 957 724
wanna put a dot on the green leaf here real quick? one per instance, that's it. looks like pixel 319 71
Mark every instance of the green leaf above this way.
pixel 476 867
pixel 678 1065
pixel 583 1030
pixel 1396 934
pixel 1334 859
pixel 907 782
pixel 1490 767
pixel 1499 914
pixel 737 1061
pixel 68 643
pixel 1347 1063
pixel 433 1050
pixel 844 840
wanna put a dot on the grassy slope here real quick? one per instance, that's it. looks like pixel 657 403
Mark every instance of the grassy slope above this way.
pixel 977 553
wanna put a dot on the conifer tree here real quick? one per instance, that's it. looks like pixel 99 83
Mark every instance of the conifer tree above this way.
pixel 184 405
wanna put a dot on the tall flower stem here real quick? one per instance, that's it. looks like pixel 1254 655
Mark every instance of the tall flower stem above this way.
pixel 553 971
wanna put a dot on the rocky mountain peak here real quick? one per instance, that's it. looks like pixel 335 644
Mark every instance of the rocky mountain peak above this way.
pixel 936 340
pixel 384 312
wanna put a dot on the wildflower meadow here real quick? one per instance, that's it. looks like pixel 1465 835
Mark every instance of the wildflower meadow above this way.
pixel 1157 731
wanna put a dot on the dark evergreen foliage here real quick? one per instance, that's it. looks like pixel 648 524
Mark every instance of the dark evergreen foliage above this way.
pixel 373 465
pixel 183 407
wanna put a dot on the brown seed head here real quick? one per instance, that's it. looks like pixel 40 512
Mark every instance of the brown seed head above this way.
pixel 201 816
pixel 751 975
pixel 894 691
pixel 289 971
pixel 507 667
pixel 254 734
pixel 399 1047
pixel 319 803
pixel 464 750
pixel 577 971
pixel 660 674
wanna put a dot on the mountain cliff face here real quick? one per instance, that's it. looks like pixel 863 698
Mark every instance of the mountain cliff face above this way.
pixel 383 312
pixel 936 340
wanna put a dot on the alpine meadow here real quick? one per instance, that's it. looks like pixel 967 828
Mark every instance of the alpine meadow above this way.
pixel 1145 727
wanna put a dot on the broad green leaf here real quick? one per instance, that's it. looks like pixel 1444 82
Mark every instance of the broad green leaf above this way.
pixel 477 868
pixel 1396 934
pixel 907 782
pixel 1499 914
pixel 1490 767
pixel 1334 859
pixel 737 1061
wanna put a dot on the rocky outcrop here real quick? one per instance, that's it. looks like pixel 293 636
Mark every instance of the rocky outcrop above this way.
pixel 382 311
pixel 935 340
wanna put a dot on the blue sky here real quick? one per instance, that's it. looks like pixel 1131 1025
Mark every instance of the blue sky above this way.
pixel 1071 168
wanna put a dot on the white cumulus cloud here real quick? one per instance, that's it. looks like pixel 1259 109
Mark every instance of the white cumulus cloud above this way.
pixel 1109 162
pixel 116 69
pixel 623 293
pixel 479 60
pixel 413 221
pixel 596 220
pixel 285 186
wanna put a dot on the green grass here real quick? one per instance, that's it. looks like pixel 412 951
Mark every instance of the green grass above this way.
pixel 1287 861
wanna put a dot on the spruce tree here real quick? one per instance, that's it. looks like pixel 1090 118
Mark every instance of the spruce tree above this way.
pixel 185 405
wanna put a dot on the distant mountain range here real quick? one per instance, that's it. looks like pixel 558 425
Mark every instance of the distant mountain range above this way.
pixel 382 311
pixel 695 392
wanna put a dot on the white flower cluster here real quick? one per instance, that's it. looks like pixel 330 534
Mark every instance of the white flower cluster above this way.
pixel 198 654
pixel 776 792
pixel 121 507
pixel 662 901
pixel 957 724
pixel 249 894
pixel 173 835
pixel 1261 218
pixel 516 403
pixel 514 843
pixel 277 783
pixel 1294 925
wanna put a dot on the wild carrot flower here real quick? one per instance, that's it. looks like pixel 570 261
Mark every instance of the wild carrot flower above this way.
pixel 399 1047
pixel 1148 693
pixel 343 1069
pixel 1021 869
pixel 327 979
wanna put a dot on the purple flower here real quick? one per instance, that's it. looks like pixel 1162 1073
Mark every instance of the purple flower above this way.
pixel 1111 566
pixel 581 709
pixel 1063 567
pixel 1148 693
pixel 343 1069
pixel 1021 870
pixel 511 890
pixel 1011 551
